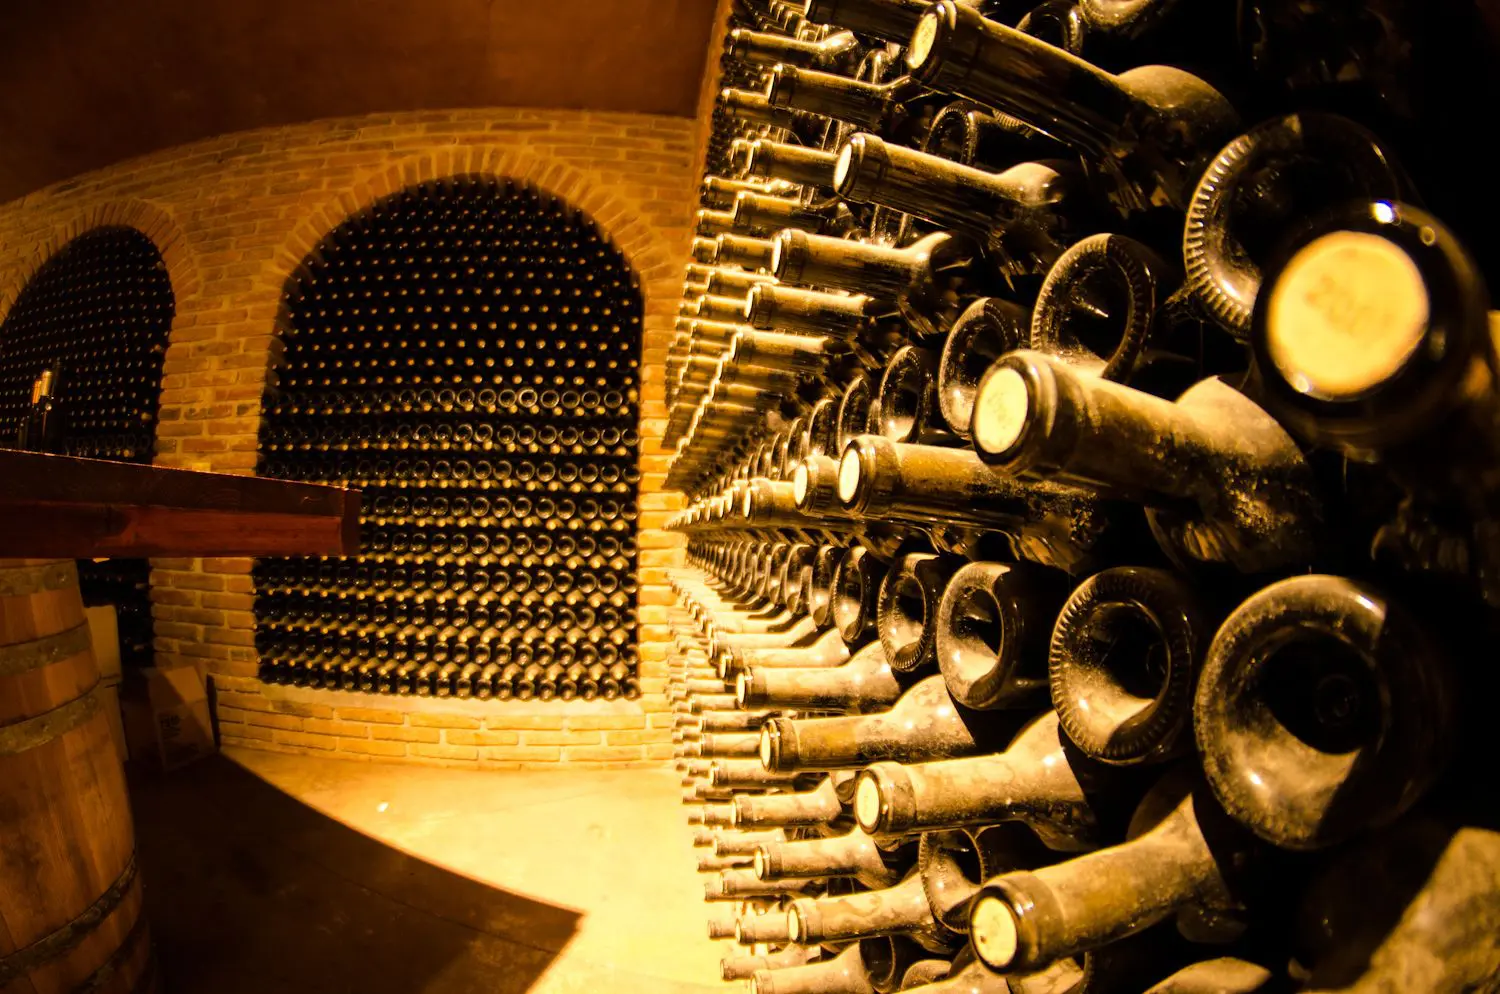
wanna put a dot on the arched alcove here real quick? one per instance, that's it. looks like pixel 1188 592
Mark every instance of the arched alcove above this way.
pixel 465 352
pixel 97 313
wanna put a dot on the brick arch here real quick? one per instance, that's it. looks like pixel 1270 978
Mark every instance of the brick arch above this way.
pixel 648 254
pixel 147 218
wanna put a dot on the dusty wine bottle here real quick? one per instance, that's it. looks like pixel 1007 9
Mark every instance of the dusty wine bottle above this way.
pixel 793 163
pixel 1052 524
pixel 1037 780
pixel 863 684
pixel 1019 212
pixel 1156 124
pixel 1021 921
pixel 1324 708
pixel 924 724
pixel 1257 505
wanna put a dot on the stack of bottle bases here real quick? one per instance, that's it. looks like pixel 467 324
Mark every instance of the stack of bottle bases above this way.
pixel 1089 417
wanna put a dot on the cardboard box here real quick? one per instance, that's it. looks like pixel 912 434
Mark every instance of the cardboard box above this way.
pixel 166 717
pixel 104 629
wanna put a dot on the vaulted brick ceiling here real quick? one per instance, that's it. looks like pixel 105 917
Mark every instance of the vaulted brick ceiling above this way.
pixel 85 83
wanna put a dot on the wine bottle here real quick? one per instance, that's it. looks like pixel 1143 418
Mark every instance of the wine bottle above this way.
pixel 1023 920
pixel 1156 125
pixel 1052 524
pixel 1103 307
pixel 1020 214
pixel 1223 975
pixel 788 309
pixel 853 854
pixel 863 684
pixel 867 106
pixel 906 403
pixel 752 254
pixel 765 48
pixel 807 167
pixel 828 649
pixel 758 214
pixel 993 625
pixel 1256 503
pixel 907 608
pixel 818 806
pixel 842 974
pixel 1038 780
pixel 1410 908
pixel 924 724
pixel 1337 677
pixel 752 106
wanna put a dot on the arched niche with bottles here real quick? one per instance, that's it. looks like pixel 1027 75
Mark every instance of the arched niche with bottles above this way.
pixel 95 317
pixel 466 353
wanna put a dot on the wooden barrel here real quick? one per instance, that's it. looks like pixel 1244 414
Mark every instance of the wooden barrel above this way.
pixel 70 897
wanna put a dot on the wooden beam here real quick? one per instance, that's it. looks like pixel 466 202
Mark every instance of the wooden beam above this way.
pixel 81 508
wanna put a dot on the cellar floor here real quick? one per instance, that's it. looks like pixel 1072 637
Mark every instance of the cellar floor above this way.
pixel 275 873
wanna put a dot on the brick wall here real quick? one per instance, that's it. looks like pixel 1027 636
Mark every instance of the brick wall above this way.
pixel 234 217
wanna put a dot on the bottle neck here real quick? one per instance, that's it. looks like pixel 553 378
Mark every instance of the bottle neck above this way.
pixel 902 908
pixel 878 477
pixel 940 190
pixel 924 724
pixel 864 682
pixel 866 106
pixel 1032 782
pixel 841 856
pixel 957 50
pixel 812 807
pixel 861 267
pixel 793 163
pixel 783 308
pixel 1023 920
pixel 748 105
pixel 844 972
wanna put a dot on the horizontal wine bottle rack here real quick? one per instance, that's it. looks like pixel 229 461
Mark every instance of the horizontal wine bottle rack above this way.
pixel 466 354
pixel 99 312
pixel 1081 499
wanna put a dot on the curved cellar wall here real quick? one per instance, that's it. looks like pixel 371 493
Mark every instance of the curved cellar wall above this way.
pixel 96 315
pixel 235 218
pixel 466 353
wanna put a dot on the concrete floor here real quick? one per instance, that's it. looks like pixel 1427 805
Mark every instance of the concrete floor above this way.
pixel 274 873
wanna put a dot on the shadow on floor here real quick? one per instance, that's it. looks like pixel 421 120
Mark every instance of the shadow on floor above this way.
pixel 251 892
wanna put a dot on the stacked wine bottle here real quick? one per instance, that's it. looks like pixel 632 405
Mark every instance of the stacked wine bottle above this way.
pixel 466 354
pixel 95 317
pixel 1090 418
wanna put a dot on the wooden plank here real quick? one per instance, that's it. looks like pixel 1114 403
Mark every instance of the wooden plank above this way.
pixel 64 506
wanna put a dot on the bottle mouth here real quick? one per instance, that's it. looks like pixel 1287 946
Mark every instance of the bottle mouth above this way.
pixel 994 932
pixel 924 38
pixel 869 804
pixel 850 475
pixel 1346 315
pixel 842 166
pixel 1002 411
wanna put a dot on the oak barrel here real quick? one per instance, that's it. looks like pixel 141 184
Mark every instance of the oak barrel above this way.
pixel 70 897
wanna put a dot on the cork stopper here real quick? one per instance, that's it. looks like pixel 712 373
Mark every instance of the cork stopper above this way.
pixel 1001 411
pixel 1346 314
